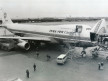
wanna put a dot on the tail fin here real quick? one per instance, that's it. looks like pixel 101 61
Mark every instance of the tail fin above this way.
pixel 100 27
pixel 5 18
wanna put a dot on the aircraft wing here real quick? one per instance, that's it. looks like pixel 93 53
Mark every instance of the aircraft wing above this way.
pixel 28 38
pixel 45 38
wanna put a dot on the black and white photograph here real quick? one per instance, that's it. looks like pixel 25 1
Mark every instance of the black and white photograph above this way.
pixel 53 40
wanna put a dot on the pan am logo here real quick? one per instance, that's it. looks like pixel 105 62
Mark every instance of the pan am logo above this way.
pixel 5 15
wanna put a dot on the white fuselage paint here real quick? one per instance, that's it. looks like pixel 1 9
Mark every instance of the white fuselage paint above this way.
pixel 61 31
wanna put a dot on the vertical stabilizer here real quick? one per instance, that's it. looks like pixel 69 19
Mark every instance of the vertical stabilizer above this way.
pixel 100 27
pixel 5 18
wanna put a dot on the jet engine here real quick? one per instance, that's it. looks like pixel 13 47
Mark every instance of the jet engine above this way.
pixel 23 44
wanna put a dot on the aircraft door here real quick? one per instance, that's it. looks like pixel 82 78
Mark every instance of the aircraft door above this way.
pixel 93 36
pixel 78 28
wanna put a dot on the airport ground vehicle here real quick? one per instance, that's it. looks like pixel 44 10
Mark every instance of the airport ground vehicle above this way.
pixel 61 59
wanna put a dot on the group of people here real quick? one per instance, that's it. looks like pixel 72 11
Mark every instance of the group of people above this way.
pixel 47 56
pixel 34 66
pixel 101 66
pixel 37 53
pixel 27 71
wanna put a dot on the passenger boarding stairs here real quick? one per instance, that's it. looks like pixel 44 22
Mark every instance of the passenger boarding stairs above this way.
pixel 103 46
pixel 70 44
pixel 71 47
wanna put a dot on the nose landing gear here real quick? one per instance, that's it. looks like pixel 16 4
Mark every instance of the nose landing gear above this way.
pixel 83 53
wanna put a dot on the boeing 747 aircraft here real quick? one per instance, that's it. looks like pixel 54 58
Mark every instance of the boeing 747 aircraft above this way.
pixel 78 34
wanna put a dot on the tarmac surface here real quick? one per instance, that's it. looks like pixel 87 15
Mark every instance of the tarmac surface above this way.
pixel 13 65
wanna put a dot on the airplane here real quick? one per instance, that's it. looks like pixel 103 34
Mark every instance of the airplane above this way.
pixel 78 34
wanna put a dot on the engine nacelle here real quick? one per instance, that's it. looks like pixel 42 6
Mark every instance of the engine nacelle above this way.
pixel 23 44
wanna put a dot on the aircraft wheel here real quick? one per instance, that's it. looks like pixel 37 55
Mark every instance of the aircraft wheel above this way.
pixel 83 53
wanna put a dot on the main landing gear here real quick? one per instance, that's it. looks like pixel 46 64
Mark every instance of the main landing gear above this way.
pixel 83 53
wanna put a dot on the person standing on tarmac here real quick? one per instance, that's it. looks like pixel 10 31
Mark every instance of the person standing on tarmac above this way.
pixel 99 66
pixel 34 66
pixel 27 73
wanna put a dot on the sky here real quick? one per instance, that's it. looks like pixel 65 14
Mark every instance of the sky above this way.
pixel 55 8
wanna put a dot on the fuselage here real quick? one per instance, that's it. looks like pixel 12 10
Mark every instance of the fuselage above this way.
pixel 55 31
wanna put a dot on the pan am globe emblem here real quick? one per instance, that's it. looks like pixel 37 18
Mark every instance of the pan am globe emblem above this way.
pixel 5 16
